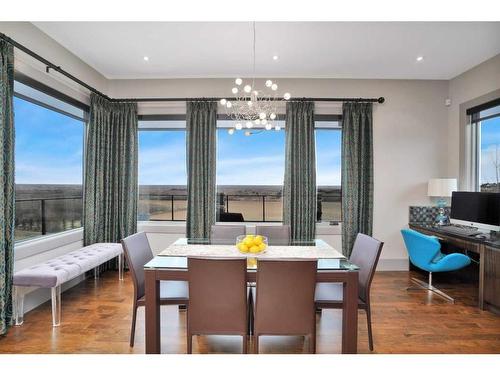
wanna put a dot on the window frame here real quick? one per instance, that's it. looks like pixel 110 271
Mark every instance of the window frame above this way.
pixel 55 94
pixel 475 122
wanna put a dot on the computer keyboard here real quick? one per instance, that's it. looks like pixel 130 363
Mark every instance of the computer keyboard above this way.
pixel 460 230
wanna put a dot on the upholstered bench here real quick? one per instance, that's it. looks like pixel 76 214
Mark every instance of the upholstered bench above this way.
pixel 54 272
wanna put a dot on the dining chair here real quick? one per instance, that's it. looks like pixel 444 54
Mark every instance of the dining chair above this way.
pixel 277 235
pixel 365 254
pixel 137 254
pixel 226 234
pixel 217 298
pixel 284 300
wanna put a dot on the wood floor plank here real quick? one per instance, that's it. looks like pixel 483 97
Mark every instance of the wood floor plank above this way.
pixel 96 319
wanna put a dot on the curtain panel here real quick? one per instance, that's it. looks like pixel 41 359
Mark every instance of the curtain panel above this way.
pixel 7 199
pixel 357 172
pixel 299 191
pixel 110 207
pixel 201 127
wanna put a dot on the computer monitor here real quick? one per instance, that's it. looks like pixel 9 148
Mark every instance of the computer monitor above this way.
pixel 480 210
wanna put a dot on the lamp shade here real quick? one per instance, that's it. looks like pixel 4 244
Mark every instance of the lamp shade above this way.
pixel 441 187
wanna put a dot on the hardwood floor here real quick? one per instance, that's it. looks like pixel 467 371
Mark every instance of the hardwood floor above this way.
pixel 96 319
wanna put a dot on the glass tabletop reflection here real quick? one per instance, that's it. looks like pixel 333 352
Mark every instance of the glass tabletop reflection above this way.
pixel 180 262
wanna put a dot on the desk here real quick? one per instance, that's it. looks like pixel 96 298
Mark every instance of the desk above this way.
pixel 489 262
pixel 332 270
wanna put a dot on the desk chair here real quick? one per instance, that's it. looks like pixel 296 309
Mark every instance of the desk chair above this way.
pixel 425 253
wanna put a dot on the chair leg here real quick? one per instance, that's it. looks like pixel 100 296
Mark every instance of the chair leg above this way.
pixel 255 343
pixel 429 287
pixel 312 338
pixel 18 305
pixel 120 267
pixel 132 328
pixel 245 344
pixel 189 343
pixel 96 273
pixel 250 313
pixel 369 322
pixel 56 305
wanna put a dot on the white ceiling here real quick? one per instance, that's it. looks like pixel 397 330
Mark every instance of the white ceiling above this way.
pixel 305 49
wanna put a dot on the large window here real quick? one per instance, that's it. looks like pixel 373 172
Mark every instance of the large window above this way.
pixel 162 171
pixel 250 172
pixel 328 168
pixel 487 123
pixel 49 164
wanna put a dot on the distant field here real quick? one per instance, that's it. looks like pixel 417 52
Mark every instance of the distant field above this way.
pixel 55 208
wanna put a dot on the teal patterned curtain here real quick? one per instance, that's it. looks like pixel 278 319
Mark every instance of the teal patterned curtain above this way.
pixel 357 173
pixel 110 208
pixel 201 137
pixel 299 191
pixel 7 204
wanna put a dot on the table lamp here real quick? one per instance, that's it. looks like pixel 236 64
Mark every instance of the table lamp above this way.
pixel 441 188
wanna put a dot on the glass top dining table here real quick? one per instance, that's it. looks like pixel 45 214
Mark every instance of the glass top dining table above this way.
pixel 172 264
pixel 328 258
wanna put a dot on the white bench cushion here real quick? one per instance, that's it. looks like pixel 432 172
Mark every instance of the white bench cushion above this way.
pixel 66 267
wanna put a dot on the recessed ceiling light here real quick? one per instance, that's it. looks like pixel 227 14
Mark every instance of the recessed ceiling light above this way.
pixel 146 58
pixel 420 58
pixel 275 57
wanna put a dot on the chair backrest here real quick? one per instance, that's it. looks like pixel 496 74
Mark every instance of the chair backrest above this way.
pixel 365 254
pixel 226 234
pixel 421 249
pixel 217 296
pixel 285 297
pixel 137 253
pixel 276 235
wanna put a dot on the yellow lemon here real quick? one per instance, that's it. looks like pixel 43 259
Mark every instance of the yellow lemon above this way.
pixel 262 246
pixel 259 237
pixel 254 249
pixel 257 240
pixel 248 241
pixel 242 247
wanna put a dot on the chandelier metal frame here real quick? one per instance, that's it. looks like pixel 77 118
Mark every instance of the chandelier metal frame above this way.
pixel 251 106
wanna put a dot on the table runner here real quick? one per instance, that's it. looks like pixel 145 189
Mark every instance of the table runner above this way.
pixel 321 251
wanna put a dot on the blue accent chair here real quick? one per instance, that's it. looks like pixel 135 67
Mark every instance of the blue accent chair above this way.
pixel 425 253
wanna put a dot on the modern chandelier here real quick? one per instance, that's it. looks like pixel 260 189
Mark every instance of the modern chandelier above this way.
pixel 251 105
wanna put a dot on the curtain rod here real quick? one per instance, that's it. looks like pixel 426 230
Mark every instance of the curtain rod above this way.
pixel 49 65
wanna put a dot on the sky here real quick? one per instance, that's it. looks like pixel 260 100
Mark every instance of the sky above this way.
pixel 490 148
pixel 49 150
pixel 48 146
pixel 241 160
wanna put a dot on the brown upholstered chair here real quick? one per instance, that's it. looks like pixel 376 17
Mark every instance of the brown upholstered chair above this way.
pixel 277 235
pixel 217 298
pixel 284 300
pixel 137 254
pixel 365 254
pixel 226 234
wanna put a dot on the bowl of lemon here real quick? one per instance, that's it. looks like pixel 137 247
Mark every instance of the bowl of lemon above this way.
pixel 250 244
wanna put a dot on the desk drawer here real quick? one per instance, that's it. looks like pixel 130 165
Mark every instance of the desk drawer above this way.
pixel 492 276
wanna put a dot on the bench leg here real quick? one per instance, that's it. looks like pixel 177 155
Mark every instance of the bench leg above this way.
pixel 56 306
pixel 96 272
pixel 120 267
pixel 18 305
